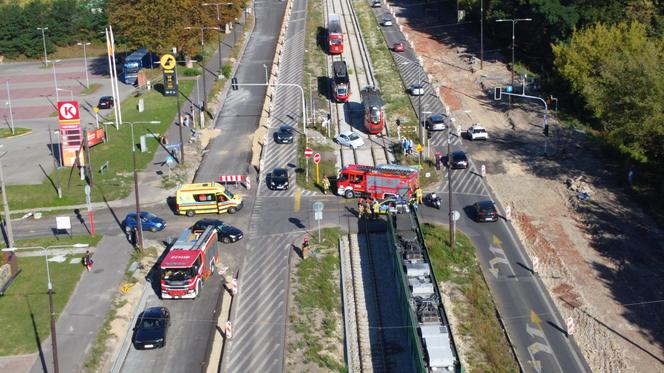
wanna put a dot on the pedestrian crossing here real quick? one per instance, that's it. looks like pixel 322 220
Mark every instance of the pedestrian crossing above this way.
pixel 261 307
pixel 467 181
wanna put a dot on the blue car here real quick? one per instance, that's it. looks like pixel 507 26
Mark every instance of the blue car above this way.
pixel 149 222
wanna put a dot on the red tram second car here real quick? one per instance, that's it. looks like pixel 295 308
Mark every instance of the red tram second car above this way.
pixel 374 116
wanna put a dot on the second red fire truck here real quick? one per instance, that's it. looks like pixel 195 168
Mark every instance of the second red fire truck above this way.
pixel 379 182
pixel 188 264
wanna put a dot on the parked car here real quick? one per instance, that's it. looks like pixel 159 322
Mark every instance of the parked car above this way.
pixel 278 179
pixel 149 222
pixel 416 89
pixel 387 20
pixel 105 102
pixel 284 135
pixel 393 205
pixel 349 138
pixel 436 122
pixel 477 132
pixel 151 328
pixel 226 233
pixel 375 4
pixel 398 47
pixel 458 159
pixel 485 211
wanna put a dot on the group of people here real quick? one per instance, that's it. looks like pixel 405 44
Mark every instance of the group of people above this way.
pixel 407 145
pixel 368 208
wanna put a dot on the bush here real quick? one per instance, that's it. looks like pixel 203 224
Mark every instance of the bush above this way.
pixel 191 71
pixel 226 70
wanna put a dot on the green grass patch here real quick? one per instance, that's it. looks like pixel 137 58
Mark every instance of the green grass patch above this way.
pixel 318 301
pixel 315 58
pixel 385 70
pixel 94 87
pixel 326 167
pixel 18 131
pixel 24 309
pixel 474 308
pixel 116 182
pixel 61 240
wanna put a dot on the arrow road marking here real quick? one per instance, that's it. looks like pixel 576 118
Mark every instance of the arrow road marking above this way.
pixel 499 257
pixel 539 347
pixel 535 332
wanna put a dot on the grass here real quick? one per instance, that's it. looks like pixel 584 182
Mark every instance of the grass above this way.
pixel 315 58
pixel 474 308
pixel 24 309
pixel 117 180
pixel 94 87
pixel 385 70
pixel 326 167
pixel 18 131
pixel 60 240
pixel 318 298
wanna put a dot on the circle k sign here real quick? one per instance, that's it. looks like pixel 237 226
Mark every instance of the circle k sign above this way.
pixel 68 110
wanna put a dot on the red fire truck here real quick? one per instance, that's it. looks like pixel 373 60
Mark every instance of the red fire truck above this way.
pixel 188 264
pixel 380 182
pixel 335 37
pixel 374 118
pixel 340 82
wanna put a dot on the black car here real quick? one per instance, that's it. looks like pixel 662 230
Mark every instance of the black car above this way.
pixel 151 328
pixel 105 102
pixel 485 211
pixel 458 159
pixel 226 233
pixel 278 179
pixel 284 135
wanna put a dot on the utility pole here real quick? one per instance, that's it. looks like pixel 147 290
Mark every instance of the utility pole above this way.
pixel 9 101
pixel 449 193
pixel 55 167
pixel 85 60
pixel 481 34
pixel 514 22
pixel 8 219
pixel 42 29
pixel 54 343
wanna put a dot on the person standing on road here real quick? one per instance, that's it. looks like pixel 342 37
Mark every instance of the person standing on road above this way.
pixel 326 184
pixel 418 195
pixel 87 260
pixel 376 209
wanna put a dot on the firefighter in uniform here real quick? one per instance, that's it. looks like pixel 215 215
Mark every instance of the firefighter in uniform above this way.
pixel 376 209
pixel 418 195
pixel 360 207
pixel 367 207
pixel 326 185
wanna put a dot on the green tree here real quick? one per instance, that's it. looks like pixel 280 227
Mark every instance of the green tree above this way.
pixel 618 71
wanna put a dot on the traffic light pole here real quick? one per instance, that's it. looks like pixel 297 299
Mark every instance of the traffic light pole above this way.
pixel 497 96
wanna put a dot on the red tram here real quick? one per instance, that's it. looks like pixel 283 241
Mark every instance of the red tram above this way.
pixel 335 37
pixel 374 116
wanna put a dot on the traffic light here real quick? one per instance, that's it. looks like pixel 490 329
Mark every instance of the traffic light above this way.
pixel 234 84
pixel 496 94
pixel 546 130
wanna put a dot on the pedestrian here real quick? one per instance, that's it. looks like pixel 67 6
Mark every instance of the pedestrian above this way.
pixel 87 260
pixel 326 184
pixel 418 195
pixel 376 209
pixel 630 176
pixel 367 207
pixel 305 247
pixel 186 120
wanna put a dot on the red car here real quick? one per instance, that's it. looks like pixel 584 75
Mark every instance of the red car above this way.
pixel 398 47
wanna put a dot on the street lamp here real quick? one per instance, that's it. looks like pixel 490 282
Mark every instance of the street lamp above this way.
pixel 54 343
pixel 481 34
pixel 9 102
pixel 85 60
pixel 71 92
pixel 219 23
pixel 514 21
pixel 42 29
pixel 8 220
pixel 55 81
pixel 139 225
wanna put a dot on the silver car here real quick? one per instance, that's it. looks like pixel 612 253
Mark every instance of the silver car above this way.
pixel 349 138
pixel 436 122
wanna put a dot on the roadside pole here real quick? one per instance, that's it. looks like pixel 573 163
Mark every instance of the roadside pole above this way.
pixel 8 219
pixel 89 206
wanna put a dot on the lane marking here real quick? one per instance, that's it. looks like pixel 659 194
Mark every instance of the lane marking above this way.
pixel 297 201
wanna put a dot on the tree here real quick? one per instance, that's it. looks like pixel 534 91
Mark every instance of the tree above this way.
pixel 618 71
pixel 160 25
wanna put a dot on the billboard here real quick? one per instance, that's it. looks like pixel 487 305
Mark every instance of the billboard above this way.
pixel 71 136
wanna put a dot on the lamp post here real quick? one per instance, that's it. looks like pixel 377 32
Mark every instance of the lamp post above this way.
pixel 202 51
pixel 139 225
pixel 9 102
pixel 8 220
pixel 71 92
pixel 481 34
pixel 219 25
pixel 42 29
pixel 85 59
pixel 514 22
pixel 55 81
pixel 449 190
pixel 54 343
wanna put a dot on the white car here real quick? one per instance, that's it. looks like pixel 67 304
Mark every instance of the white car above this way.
pixel 349 138
pixel 416 89
pixel 375 4
pixel 436 122
pixel 477 132
pixel 387 21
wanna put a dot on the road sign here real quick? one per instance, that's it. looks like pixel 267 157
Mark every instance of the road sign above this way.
pixel 229 330
pixel 170 75
pixel 419 148
pixel 483 170
pixel 308 152
pixel 508 212
pixel 68 110
pixel 318 206
pixel 317 158
pixel 62 222
pixel 535 264
pixel 318 215
pixel 95 109
pixel 456 215
pixel 167 62
pixel 570 326
pixel 234 286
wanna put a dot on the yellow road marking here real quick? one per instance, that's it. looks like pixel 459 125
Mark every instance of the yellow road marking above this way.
pixel 497 241
pixel 296 203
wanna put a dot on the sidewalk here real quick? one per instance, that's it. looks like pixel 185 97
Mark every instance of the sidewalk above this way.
pixel 84 315
pixel 149 178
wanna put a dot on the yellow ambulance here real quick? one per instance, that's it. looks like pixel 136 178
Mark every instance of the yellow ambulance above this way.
pixel 203 198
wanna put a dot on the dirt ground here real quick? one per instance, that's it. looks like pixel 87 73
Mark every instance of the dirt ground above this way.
pixel 600 259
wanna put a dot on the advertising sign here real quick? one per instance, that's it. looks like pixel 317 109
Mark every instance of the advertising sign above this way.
pixel 95 137
pixel 71 136
pixel 170 76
